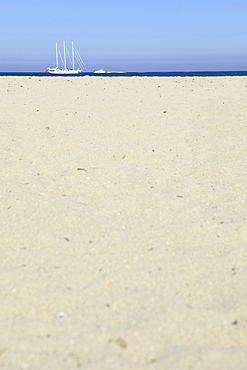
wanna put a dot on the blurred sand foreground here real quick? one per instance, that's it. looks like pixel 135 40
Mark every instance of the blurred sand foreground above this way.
pixel 123 223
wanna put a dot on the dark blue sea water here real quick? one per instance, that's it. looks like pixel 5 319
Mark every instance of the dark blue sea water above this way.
pixel 132 74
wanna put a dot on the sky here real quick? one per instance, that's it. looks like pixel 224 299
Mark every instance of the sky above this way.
pixel 125 35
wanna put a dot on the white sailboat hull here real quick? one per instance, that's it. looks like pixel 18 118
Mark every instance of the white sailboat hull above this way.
pixel 58 71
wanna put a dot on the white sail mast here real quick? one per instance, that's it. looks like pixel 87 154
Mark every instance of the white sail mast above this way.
pixel 73 56
pixel 64 55
pixel 56 55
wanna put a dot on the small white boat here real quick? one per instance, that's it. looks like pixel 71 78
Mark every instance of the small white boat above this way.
pixel 75 57
pixel 100 71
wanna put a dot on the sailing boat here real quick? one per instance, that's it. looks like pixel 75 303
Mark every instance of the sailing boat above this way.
pixel 75 56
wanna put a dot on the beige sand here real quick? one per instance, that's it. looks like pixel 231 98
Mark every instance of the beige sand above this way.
pixel 123 223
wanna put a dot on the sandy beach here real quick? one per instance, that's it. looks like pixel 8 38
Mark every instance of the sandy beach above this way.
pixel 123 223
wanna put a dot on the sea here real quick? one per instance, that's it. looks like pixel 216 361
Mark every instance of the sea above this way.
pixel 133 74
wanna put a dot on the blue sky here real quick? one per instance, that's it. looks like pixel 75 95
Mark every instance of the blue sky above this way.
pixel 130 35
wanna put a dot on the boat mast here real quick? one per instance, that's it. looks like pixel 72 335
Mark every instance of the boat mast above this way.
pixel 64 55
pixel 56 56
pixel 73 56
